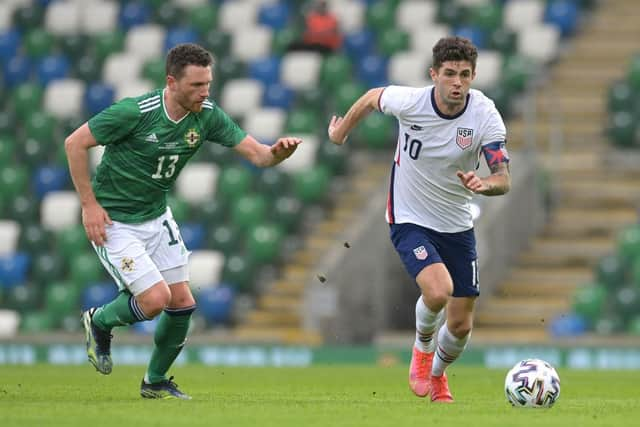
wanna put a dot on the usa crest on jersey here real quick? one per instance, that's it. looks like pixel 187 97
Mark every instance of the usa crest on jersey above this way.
pixel 464 137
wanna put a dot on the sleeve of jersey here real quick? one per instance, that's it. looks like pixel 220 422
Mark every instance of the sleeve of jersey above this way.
pixel 114 123
pixel 396 100
pixel 223 130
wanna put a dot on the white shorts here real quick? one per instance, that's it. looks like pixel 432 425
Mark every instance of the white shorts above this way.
pixel 140 255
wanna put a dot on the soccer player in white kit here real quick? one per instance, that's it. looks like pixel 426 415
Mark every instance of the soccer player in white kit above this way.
pixel 442 131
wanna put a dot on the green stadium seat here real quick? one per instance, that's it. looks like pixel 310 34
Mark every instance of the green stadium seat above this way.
pixel 312 185
pixel 34 152
pixel 40 126
pixel 263 243
pixel 203 19
pixel 392 41
pixel 23 208
pixel 106 44
pixel 239 271
pixel 486 16
pixel 61 299
pixel 35 322
pixel 248 210
pixel 346 94
pixel 621 97
pixel 287 212
pixel 27 17
pixel 589 300
pixel 228 68
pixel 381 16
pixel 224 238
pixel 179 208
pixel 13 181
pixel 451 13
pixel 376 131
pixel 626 301
pixel 7 122
pixel 34 239
pixel 23 297
pixel 72 242
pixel 283 39
pixel 210 212
pixel 503 40
pixel 629 244
pixel 633 75
pixel 621 128
pixel 312 100
pixel 516 73
pixel 610 271
pixel 609 324
pixel 272 182
pixel 302 122
pixel 73 46
pixel 38 43
pixel 219 154
pixel 333 156
pixel 85 268
pixel 633 326
pixel 234 181
pixel 154 70
pixel 218 43
pixel 7 150
pixel 27 98
pixel 635 272
pixel 167 14
pixel 502 98
pixel 335 73
pixel 88 68
pixel 47 267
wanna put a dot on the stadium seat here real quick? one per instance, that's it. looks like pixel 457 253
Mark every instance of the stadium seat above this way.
pixel 628 243
pixel 239 271
pixel 23 297
pixel 47 267
pixel 35 322
pixel 73 46
pixel 218 154
pixel 314 99
pixel 15 71
pixel 274 15
pixel 10 40
pixel 427 36
pixel 380 16
pixel 40 126
pixel 34 239
pixel 234 181
pixel 180 35
pixel 132 88
pixel 193 235
pixel 488 69
pixel 302 122
pixel 392 41
pixel 251 43
pixel 26 98
pixel 240 96
pixel 539 42
pixel 563 14
pixel 503 40
pixel 63 17
pixel 516 72
pixel 588 301
pixel 312 185
pixel 272 182
pixel 6 14
pixel 191 4
pixel 60 210
pixel 38 43
pixel 486 15
pixel 346 94
pixel 372 71
pixel 33 152
pixel 283 39
pixel 23 208
pixel 133 14
pixel 248 209
pixel 264 242
pixel 107 44
pixel 205 269
pixel 209 212
pixel 622 128
pixel 197 182
pixel 359 44
pixel 409 68
pixel 154 71
pixel 277 96
pixel 167 14
pixel 228 68
pixel 121 67
pixel 610 271
pixel 97 97
pixel 99 16
pixel 633 73
pixel 7 150
pixel 9 233
pixel 286 212
pixel 203 19
pixel 626 301
pixel 217 42
pixel 266 70
pixel 50 178
pixel 230 14
pixel 350 14
pixel 412 14
pixel 97 294
pixel 70 242
pixel 265 124
pixel 216 304
pixel 145 41
pixel 63 98
pixel 522 14
pixel 13 181
pixel 336 70
pixel 181 209
pixel 223 237
pixel 305 156
pixel 621 97
pixel 87 68
pixel 301 70
pixel 333 156
pixel 376 131
pixel 9 319
pixel 13 269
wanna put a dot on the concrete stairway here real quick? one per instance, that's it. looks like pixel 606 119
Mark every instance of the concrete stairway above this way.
pixel 594 198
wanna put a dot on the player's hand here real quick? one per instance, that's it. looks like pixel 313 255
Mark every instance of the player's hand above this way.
pixel 334 136
pixel 95 219
pixel 284 147
pixel 471 181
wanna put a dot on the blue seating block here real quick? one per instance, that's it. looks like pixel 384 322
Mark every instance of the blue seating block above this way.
pixel 132 14
pixel 9 43
pixel 97 97
pixel 146 328
pixel 475 34
pixel 216 304
pixel 51 68
pixel 98 293
pixel 180 35
pixel 193 235
pixel 563 14
pixel 372 71
pixel 266 70
pixel 278 95
pixel 16 70
pixel 274 15
pixel 13 269
pixel 49 178
pixel 359 44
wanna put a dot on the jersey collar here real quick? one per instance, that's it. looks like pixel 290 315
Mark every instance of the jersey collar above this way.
pixel 443 115
pixel 166 114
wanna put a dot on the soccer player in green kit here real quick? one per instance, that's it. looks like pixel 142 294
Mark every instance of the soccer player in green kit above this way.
pixel 147 142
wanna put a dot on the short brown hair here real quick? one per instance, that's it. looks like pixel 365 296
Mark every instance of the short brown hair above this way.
pixel 186 54
pixel 454 48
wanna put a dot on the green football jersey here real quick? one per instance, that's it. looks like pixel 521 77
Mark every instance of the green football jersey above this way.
pixel 145 151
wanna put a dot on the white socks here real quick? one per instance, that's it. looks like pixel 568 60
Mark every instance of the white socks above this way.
pixel 449 348
pixel 426 323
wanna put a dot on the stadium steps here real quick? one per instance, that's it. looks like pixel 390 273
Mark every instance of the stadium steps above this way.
pixel 278 314
pixel 593 196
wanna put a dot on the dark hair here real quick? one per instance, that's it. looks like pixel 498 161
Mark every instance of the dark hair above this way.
pixel 186 54
pixel 454 48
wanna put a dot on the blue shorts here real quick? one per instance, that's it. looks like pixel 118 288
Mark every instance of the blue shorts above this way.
pixel 419 247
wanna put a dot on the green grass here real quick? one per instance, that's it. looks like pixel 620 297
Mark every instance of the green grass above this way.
pixel 45 395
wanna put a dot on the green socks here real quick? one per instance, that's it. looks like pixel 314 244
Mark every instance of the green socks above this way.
pixel 170 336
pixel 122 311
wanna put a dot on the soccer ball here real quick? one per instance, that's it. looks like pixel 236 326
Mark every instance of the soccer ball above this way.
pixel 532 383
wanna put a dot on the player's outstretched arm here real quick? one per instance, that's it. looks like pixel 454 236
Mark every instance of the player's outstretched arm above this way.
pixel 496 184
pixel 94 217
pixel 340 127
pixel 263 155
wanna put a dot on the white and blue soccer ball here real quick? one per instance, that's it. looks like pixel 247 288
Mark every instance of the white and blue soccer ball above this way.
pixel 532 383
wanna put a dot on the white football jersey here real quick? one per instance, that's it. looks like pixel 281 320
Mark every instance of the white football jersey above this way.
pixel 431 148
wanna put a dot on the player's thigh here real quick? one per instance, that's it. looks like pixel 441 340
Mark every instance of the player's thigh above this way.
pixel 435 283
pixel 169 252
pixel 125 258
pixel 460 315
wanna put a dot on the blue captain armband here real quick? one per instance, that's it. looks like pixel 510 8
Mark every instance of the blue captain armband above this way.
pixel 496 152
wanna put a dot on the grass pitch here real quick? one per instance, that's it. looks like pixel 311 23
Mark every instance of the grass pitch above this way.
pixel 342 395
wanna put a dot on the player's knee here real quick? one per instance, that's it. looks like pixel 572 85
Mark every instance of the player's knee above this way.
pixel 459 329
pixel 154 302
